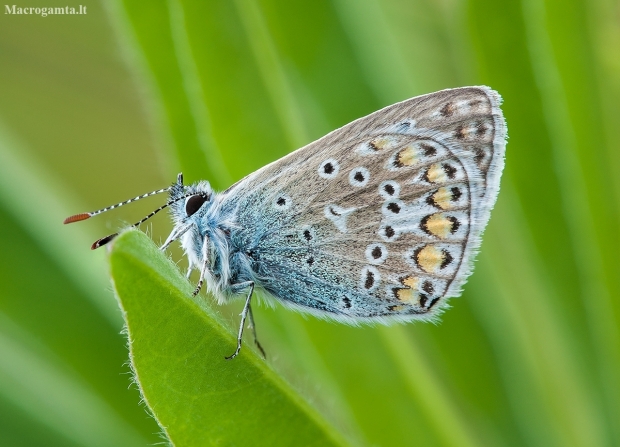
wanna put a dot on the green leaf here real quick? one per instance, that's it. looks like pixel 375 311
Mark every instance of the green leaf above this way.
pixel 177 348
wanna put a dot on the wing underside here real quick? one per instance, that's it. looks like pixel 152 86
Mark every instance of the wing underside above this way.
pixel 380 219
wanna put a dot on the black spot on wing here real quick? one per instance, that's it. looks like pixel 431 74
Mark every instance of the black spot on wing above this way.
pixel 393 207
pixel 447 259
pixel 449 170
pixel 428 287
pixel 429 151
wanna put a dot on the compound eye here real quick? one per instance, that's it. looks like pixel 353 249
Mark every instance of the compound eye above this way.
pixel 193 204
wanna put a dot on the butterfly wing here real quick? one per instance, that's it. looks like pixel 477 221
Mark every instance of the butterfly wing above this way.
pixel 380 219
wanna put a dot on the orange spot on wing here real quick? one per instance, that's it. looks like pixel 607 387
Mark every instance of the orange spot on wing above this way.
pixel 407 295
pixel 442 198
pixel 406 156
pixel 429 258
pixel 411 282
pixel 436 174
pixel 379 143
pixel 439 225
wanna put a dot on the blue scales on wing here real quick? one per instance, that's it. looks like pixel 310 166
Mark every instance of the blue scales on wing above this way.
pixel 379 220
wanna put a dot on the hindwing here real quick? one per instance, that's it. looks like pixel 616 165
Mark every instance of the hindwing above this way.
pixel 380 219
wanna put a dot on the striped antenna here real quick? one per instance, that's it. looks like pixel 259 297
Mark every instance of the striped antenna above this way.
pixel 104 240
pixel 84 216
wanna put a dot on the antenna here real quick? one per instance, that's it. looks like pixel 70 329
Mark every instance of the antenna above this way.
pixel 104 240
pixel 84 216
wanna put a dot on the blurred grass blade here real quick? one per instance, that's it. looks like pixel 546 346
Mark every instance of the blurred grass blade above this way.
pixel 596 296
pixel 146 83
pixel 161 65
pixel 378 49
pixel 273 74
pixel 563 396
pixel 440 412
pixel 54 396
pixel 177 352
pixel 38 201
pixel 195 95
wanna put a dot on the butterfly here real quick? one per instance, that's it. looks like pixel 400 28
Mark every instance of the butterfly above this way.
pixel 378 221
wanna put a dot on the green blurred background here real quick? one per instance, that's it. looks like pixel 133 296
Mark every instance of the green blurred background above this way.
pixel 101 107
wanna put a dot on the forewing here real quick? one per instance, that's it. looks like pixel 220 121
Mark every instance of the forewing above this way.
pixel 382 217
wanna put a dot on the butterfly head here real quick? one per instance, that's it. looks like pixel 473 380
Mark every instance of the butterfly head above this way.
pixel 202 230
pixel 189 202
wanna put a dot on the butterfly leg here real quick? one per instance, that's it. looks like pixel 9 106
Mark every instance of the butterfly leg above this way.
pixel 205 265
pixel 253 326
pixel 176 233
pixel 244 314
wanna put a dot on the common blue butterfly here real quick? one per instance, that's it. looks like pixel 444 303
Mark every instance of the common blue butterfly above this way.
pixel 378 221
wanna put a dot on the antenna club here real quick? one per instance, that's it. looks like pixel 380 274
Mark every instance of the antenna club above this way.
pixel 76 218
pixel 104 240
